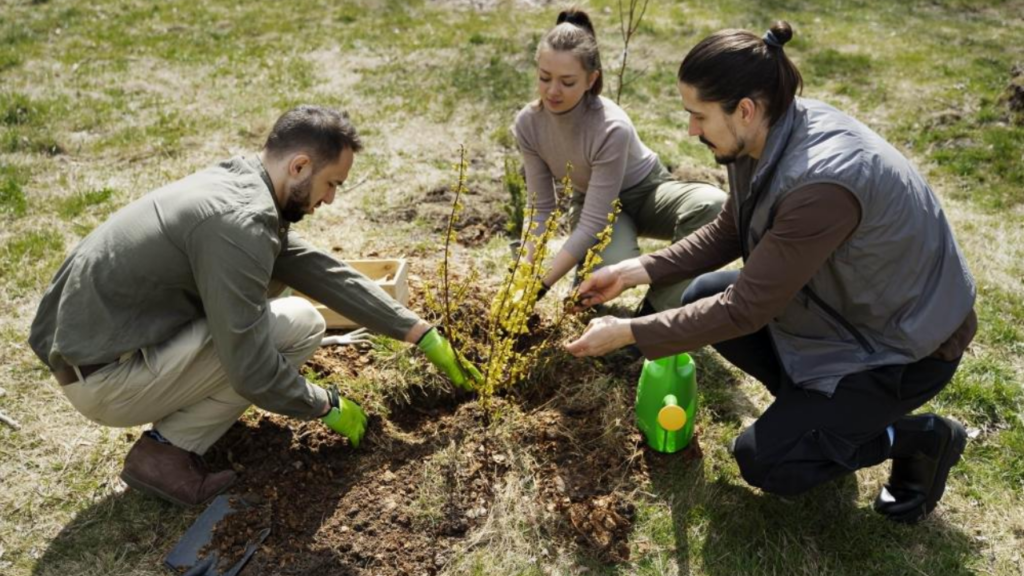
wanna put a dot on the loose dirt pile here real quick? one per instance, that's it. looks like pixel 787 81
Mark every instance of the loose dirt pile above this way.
pixel 335 510
pixel 425 478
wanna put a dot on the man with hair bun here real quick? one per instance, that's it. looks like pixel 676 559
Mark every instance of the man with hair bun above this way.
pixel 854 304
pixel 164 313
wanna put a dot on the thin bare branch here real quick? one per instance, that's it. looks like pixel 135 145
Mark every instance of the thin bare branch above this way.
pixel 446 290
pixel 629 23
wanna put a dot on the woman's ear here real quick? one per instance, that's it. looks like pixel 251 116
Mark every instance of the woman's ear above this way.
pixel 592 78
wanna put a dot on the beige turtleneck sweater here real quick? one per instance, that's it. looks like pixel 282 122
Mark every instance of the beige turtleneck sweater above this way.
pixel 607 156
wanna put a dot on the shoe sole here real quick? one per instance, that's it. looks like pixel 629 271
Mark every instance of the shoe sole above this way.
pixel 157 493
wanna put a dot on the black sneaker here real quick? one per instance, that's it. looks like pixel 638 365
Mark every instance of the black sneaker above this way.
pixel 926 448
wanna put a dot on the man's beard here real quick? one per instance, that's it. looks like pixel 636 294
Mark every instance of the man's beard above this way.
pixel 298 200
pixel 725 159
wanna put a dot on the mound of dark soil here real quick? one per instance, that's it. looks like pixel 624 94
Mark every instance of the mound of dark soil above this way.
pixel 334 510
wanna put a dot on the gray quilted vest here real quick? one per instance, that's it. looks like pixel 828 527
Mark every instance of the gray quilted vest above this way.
pixel 895 290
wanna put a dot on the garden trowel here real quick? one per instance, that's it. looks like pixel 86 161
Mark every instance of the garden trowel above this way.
pixel 360 336
pixel 185 558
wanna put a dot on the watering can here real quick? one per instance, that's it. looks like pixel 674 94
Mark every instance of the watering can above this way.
pixel 666 402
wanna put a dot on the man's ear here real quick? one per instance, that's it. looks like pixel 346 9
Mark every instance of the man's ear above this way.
pixel 299 165
pixel 748 110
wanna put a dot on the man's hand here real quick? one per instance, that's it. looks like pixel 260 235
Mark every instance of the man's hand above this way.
pixel 439 351
pixel 345 417
pixel 602 335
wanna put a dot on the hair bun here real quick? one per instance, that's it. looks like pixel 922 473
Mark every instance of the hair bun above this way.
pixel 782 31
pixel 577 17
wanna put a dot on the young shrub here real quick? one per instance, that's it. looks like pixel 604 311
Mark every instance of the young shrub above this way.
pixel 502 341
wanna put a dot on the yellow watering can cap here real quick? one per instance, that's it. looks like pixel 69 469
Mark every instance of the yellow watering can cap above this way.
pixel 672 418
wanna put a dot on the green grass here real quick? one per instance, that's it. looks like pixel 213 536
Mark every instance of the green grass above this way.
pixel 23 124
pixel 75 205
pixel 985 393
pixel 851 74
pixel 1002 315
pixel 130 95
pixel 29 261
pixel 979 144
pixel 12 193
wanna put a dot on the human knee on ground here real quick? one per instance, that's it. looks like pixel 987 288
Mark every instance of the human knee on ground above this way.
pixel 297 328
pixel 777 474
pixel 707 203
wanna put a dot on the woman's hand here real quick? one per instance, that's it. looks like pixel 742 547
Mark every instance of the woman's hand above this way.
pixel 607 283
pixel 602 286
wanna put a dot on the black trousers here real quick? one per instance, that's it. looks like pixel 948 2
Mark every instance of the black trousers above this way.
pixel 806 438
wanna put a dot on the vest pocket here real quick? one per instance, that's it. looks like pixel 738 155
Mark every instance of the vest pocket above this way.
pixel 850 328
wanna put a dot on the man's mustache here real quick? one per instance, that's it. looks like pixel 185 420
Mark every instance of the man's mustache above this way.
pixel 706 141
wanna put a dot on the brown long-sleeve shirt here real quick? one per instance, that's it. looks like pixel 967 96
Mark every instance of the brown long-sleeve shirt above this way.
pixel 810 224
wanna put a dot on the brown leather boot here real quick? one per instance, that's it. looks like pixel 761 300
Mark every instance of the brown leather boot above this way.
pixel 160 469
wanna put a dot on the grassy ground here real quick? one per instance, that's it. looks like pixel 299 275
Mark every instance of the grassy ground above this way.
pixel 103 101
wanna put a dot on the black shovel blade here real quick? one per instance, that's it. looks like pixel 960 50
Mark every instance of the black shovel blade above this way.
pixel 184 558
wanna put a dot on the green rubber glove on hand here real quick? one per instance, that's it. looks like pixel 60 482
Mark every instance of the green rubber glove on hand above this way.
pixel 439 351
pixel 345 417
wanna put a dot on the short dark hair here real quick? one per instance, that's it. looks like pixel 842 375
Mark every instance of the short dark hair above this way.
pixel 318 131
pixel 731 65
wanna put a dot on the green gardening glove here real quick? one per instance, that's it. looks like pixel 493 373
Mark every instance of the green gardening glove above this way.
pixel 345 417
pixel 439 351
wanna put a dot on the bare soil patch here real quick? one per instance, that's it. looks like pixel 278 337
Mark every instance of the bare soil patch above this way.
pixel 481 219
pixel 338 511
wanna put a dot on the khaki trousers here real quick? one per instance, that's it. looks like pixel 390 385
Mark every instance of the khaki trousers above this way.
pixel 181 386
pixel 662 208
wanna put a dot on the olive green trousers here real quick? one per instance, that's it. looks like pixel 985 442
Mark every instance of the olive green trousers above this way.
pixel 661 208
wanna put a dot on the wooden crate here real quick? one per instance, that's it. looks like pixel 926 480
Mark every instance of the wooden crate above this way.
pixel 391 275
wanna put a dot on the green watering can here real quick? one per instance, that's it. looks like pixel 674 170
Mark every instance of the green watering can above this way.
pixel 666 402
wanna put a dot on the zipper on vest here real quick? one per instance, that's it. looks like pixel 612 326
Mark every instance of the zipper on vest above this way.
pixel 746 214
pixel 839 318
pixel 746 209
